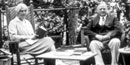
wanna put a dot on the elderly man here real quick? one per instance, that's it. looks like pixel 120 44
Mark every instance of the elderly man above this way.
pixel 104 30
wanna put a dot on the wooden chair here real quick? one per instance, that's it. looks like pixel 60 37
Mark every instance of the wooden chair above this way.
pixel 13 45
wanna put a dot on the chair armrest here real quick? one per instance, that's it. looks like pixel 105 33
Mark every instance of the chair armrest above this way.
pixel 13 46
pixel 4 51
pixel 82 28
pixel 55 36
pixel 13 42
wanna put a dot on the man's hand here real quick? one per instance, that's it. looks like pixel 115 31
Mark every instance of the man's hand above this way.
pixel 99 37
pixel 105 37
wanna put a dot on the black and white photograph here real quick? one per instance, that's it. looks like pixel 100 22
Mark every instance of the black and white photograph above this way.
pixel 64 32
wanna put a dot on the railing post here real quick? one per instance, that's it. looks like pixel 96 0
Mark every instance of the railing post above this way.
pixel 66 28
pixel 32 14
pixel 1 43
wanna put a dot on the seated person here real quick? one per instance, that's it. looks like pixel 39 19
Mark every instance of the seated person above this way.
pixel 20 29
pixel 104 31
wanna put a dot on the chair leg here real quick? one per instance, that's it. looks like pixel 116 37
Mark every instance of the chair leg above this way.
pixel 27 61
pixel 36 60
pixel 123 60
pixel 12 61
pixel 49 61
pixel 18 59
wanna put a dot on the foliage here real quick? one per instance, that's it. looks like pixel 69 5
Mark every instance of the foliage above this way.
pixel 127 31
pixel 52 22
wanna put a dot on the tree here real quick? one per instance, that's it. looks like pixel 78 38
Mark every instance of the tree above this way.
pixel 72 22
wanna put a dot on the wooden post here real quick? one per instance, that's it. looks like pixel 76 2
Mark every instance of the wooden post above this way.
pixel 7 16
pixel 1 43
pixel 65 33
pixel 32 14
pixel 7 12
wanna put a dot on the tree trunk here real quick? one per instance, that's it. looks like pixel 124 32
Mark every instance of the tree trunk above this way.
pixel 72 25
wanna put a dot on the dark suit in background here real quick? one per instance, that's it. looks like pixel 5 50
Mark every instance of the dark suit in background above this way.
pixel 107 35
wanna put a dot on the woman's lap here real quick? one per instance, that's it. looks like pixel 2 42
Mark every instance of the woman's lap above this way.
pixel 41 46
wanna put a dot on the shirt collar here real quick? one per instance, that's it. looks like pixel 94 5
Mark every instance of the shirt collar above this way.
pixel 20 20
pixel 103 16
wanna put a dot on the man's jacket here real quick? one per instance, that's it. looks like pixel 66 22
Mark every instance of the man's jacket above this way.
pixel 112 27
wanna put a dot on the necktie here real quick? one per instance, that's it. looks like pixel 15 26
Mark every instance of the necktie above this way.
pixel 102 21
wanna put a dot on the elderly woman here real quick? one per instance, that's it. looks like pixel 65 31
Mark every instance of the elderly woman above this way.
pixel 20 29
pixel 104 31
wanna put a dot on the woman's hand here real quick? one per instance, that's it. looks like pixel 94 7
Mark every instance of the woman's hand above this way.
pixel 33 37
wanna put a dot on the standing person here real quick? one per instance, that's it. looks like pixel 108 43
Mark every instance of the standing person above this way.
pixel 20 29
pixel 104 30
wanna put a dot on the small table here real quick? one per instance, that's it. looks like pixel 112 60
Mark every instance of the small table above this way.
pixel 123 51
pixel 67 55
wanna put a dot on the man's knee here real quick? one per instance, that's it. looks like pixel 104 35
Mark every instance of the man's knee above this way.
pixel 115 41
pixel 94 43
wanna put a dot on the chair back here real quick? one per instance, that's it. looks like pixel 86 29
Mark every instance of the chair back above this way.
pixel 11 14
pixel 13 45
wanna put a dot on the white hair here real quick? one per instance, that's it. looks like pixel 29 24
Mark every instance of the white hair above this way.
pixel 21 6
pixel 102 5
